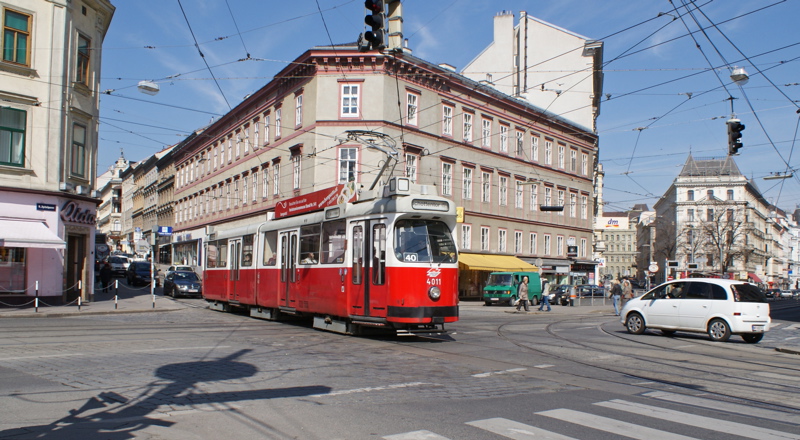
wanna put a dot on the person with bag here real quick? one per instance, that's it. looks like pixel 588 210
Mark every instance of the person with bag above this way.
pixel 627 291
pixel 545 297
pixel 522 294
pixel 615 292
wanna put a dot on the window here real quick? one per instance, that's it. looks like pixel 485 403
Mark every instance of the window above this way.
pixel 348 158
pixel 247 139
pixel 276 179
pixel 517 242
pixel 266 129
pixel 256 131
pixel 265 184
pixel 298 111
pixel 215 157
pixel 447 120
pixel 503 138
pixel 690 215
pixel 467 184
pixel 228 195
pixel 447 179
pixel 559 245
pixel 16 37
pixel 270 248
pixel 309 244
pixel 503 190
pixel 561 202
pixel 466 236
pixel 518 194
pixel 411 167
pixel 534 197
pixel 236 198
pixel 296 171
pixel 520 143
pixel 501 240
pixel 230 149
pixel 532 239
pixel 584 207
pixel 548 196
pixel 585 164
pixel 78 167
pixel 573 205
pixel 690 195
pixel 12 136
pixel 277 123
pixel 547 244
pixel 411 108
pixel 238 144
pixel 486 187
pixel 573 160
pixel 244 190
pixel 729 217
pixel 467 127
pixel 730 194
pixel 255 185
pixel 350 100
pixel 334 242
pixel 561 156
pixel 710 215
pixel 710 194
pixel 247 250
pixel 486 133
pixel 484 238
pixel 82 66
pixel 548 153
pixel 535 148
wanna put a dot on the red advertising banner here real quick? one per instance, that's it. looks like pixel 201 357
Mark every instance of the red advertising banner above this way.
pixel 315 201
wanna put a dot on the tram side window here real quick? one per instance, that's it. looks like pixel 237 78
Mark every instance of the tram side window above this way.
pixel 212 254
pixel 379 254
pixel 247 250
pixel 358 254
pixel 309 244
pixel 222 260
pixel 333 242
pixel 270 248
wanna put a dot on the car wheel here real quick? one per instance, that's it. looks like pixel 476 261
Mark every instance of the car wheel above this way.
pixel 719 331
pixel 752 338
pixel 668 332
pixel 535 301
pixel 635 324
pixel 512 300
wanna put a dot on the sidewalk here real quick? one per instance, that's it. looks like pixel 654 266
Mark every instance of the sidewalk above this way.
pixel 128 301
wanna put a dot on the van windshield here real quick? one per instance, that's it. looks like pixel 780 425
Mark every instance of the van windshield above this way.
pixel 500 279
pixel 748 293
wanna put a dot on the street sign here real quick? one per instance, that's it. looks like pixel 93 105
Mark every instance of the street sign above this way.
pixel 653 268
pixel 142 247
pixel 164 230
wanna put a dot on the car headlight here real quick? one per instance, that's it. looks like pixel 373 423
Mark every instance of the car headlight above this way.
pixel 434 293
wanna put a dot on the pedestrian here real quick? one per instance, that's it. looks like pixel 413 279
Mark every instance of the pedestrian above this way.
pixel 522 294
pixel 545 297
pixel 627 291
pixel 615 292
pixel 105 276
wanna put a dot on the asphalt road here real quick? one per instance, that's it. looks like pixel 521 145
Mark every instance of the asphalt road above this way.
pixel 575 373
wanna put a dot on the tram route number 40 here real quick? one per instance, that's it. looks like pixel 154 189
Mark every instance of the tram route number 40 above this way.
pixel 409 256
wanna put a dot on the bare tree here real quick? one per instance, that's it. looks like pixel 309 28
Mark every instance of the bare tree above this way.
pixel 722 234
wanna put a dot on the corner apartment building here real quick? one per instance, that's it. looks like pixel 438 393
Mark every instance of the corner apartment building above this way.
pixel 49 98
pixel 499 157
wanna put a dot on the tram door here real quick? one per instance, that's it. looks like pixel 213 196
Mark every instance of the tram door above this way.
pixel 288 282
pixel 368 286
pixel 235 249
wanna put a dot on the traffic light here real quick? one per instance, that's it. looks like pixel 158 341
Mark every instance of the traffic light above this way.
pixel 735 128
pixel 375 20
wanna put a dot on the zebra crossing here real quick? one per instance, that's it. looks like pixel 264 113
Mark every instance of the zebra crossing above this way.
pixel 621 425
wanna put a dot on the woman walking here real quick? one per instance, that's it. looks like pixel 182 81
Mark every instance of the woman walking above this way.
pixel 522 294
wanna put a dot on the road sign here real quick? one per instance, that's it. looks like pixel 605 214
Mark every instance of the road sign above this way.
pixel 653 268
pixel 142 247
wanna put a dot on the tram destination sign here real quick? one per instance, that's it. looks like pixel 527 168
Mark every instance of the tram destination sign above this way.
pixel 315 201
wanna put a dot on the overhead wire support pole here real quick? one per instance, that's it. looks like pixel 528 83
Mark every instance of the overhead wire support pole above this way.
pixel 377 141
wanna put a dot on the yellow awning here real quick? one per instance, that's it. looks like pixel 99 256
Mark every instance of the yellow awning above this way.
pixel 495 263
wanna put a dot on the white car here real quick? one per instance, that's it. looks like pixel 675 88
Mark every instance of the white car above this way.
pixel 718 307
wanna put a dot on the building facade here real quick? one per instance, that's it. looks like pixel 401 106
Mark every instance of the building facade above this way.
pixel 48 146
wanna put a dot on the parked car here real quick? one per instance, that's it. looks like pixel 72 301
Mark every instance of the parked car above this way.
pixel 119 264
pixel 182 283
pixel 139 273
pixel 180 268
pixel 718 307
pixel 587 290
pixel 560 295
pixel 772 293
pixel 786 294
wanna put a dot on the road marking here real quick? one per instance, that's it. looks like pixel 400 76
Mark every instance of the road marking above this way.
pixel 793 337
pixel 725 406
pixel 711 423
pixel 611 425
pixel 368 389
pixel 788 327
pixel 42 356
pixel 684 346
pixel 180 348
pixel 544 366
pixel 495 373
pixel 515 430
pixel 416 435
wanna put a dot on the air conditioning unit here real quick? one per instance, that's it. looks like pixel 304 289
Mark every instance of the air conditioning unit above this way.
pixel 64 186
pixel 82 190
pixel 95 194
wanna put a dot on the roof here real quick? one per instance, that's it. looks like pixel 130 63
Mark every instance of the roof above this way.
pixel 709 167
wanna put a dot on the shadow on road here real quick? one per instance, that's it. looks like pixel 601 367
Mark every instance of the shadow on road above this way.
pixel 110 416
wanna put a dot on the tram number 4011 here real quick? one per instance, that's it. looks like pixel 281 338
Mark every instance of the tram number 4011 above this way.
pixel 434 281
pixel 409 256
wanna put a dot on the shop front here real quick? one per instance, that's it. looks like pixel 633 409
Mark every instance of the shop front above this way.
pixel 47 246
pixel 474 269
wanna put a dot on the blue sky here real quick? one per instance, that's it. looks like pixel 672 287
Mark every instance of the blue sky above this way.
pixel 661 99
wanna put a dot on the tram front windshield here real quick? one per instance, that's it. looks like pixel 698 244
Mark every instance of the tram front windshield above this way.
pixel 424 241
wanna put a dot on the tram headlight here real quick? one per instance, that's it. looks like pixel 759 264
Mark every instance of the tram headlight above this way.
pixel 434 293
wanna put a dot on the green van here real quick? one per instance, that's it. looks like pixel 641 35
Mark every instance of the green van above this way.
pixel 501 287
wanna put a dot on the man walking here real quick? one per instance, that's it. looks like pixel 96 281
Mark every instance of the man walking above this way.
pixel 545 297
pixel 615 292
pixel 522 294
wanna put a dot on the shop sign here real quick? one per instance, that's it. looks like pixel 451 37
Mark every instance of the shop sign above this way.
pixel 72 212
pixel 315 201
pixel 45 207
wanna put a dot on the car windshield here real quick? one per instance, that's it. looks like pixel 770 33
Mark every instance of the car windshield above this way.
pixel 423 241
pixel 187 276
pixel 141 266
pixel 748 293
pixel 500 279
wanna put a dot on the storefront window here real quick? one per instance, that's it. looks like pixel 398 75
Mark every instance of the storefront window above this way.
pixel 12 270
pixel 185 253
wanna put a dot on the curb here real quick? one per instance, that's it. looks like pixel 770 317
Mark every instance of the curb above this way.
pixel 82 313
pixel 787 350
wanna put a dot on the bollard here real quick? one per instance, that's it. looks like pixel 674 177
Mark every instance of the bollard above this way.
pixel 154 300
pixel 115 302
pixel 36 301
pixel 116 288
pixel 79 303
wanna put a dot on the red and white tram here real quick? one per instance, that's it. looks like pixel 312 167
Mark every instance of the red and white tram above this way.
pixel 389 262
